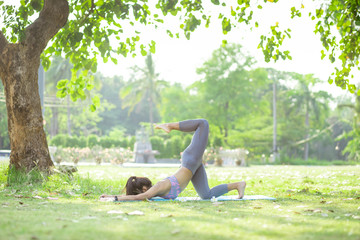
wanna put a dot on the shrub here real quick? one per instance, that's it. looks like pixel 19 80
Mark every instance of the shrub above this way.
pixel 116 142
pixel 157 143
pixel 187 141
pixel 131 142
pixel 92 140
pixel 124 143
pixel 167 150
pixel 218 142
pixel 72 141
pixel 82 142
pixel 59 140
pixel 174 147
pixel 107 142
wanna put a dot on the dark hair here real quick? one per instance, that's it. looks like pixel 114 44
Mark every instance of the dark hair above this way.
pixel 134 185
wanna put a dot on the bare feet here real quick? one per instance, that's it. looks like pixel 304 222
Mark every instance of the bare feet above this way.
pixel 241 189
pixel 164 127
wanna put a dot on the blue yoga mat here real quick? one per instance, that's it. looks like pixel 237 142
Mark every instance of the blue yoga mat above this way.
pixel 221 198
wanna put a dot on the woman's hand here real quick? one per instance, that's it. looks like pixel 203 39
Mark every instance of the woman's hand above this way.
pixel 103 196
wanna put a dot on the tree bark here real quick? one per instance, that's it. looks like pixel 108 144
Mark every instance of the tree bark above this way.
pixel 19 65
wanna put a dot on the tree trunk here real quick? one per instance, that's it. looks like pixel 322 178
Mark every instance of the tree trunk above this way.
pixel 275 153
pixel 226 130
pixel 19 65
pixel 68 116
pixel 54 128
pixel 306 150
pixel 151 116
pixel 25 122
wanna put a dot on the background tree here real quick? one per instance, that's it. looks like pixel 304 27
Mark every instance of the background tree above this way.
pixel 226 87
pixel 353 146
pixel 178 102
pixel 308 103
pixel 145 87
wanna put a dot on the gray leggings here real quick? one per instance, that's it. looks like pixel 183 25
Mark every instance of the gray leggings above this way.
pixel 192 158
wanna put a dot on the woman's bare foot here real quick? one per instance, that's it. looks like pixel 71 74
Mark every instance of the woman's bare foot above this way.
pixel 241 189
pixel 164 127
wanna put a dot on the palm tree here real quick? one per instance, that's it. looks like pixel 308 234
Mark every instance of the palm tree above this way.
pixel 309 102
pixel 145 87
pixel 60 69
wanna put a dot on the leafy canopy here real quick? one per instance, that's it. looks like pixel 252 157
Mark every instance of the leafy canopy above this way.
pixel 99 29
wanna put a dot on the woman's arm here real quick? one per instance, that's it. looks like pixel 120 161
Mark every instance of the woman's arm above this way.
pixel 158 188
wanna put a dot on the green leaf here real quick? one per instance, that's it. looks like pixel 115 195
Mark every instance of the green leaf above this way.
pixel 96 101
pixel 99 3
pixel 62 83
pixel 170 33
pixel 322 54
pixel 92 108
pixel 94 67
pixel 36 4
pixel 226 25
pixel 152 47
pixel 114 60
pixel 89 86
pixel 61 93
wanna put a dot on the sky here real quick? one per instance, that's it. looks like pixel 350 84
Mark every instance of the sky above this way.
pixel 177 59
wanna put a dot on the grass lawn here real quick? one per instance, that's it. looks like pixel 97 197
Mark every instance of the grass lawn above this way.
pixel 312 203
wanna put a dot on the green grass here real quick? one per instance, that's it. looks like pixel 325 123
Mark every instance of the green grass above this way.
pixel 312 203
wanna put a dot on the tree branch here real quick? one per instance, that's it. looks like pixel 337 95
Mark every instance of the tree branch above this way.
pixel 346 105
pixel 314 136
pixel 52 18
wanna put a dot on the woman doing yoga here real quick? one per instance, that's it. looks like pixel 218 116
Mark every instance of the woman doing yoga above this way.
pixel 141 188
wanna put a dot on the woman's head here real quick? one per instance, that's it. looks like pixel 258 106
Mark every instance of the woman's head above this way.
pixel 136 185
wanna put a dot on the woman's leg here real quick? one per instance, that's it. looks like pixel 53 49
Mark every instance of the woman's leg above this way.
pixel 192 155
pixel 200 182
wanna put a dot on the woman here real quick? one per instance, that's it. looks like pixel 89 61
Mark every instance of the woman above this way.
pixel 139 188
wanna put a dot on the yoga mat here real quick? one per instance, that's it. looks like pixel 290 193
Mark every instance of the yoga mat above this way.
pixel 221 198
